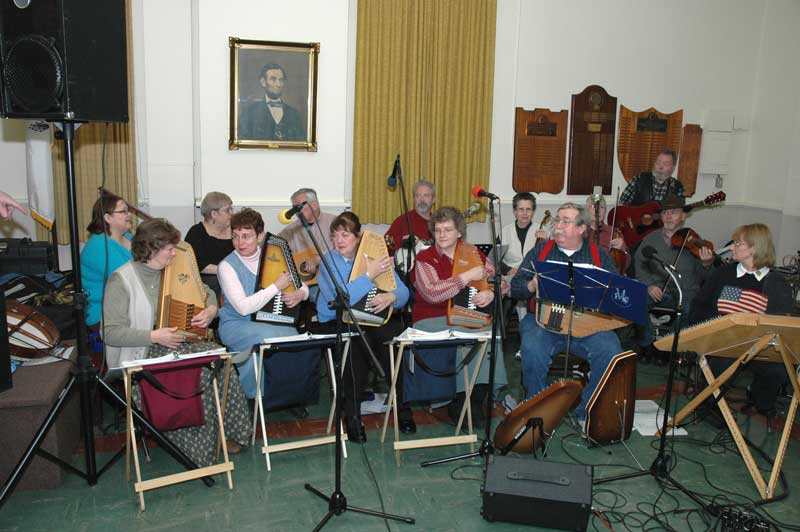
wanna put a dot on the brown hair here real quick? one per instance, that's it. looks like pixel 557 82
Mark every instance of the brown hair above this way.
pixel 248 218
pixel 448 214
pixel 758 237
pixel 671 153
pixel 348 221
pixel 151 237
pixel 105 204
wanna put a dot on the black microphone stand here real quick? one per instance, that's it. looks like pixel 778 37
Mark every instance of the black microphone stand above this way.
pixel 337 502
pixel 85 375
pixel 660 468
pixel 487 445
pixel 411 241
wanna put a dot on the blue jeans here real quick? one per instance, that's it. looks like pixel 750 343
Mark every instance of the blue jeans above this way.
pixel 539 346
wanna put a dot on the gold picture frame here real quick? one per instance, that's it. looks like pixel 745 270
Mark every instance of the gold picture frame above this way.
pixel 273 99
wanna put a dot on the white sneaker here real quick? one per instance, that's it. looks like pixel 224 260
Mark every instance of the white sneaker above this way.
pixel 518 355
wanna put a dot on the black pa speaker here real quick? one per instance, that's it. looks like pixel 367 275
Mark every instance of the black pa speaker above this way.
pixel 63 60
pixel 539 493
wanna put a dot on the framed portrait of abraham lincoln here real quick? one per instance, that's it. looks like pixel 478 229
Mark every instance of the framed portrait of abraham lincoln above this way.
pixel 273 99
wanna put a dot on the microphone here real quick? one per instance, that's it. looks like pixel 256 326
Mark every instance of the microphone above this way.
pixel 597 194
pixel 650 253
pixel 392 181
pixel 286 215
pixel 480 192
pixel 473 209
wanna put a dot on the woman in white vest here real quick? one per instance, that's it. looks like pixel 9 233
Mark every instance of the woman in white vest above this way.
pixel 129 314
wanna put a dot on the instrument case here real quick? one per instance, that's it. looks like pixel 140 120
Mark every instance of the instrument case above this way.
pixel 538 493
pixel 22 255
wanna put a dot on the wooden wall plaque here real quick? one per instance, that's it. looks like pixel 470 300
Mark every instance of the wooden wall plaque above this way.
pixel 591 145
pixel 540 141
pixel 642 135
pixel 689 161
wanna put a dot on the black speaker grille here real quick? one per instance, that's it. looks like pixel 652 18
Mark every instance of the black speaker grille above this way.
pixel 34 74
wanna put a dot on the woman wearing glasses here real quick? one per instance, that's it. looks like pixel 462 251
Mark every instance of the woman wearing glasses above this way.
pixel 211 238
pixel 436 285
pixel 748 284
pixel 107 249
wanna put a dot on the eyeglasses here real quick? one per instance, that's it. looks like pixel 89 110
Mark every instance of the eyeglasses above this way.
pixel 564 221
pixel 226 210
pixel 125 211
pixel 739 243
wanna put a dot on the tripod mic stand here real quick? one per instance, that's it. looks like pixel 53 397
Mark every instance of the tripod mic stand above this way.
pixel 337 502
pixel 659 469
pixel 486 447
pixel 86 374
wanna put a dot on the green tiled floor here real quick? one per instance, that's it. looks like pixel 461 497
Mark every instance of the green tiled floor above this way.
pixel 443 498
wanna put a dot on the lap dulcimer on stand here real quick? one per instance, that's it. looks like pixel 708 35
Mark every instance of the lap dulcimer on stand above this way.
pixel 744 337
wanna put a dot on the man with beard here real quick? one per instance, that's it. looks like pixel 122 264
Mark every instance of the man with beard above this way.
pixel 661 290
pixel 424 197
pixel 271 118
pixel 655 185
pixel 299 241
pixel 540 345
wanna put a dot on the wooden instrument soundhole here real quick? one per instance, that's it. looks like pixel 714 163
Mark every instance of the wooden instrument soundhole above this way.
pixel 552 404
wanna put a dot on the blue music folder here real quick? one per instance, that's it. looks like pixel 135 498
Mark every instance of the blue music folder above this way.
pixel 595 289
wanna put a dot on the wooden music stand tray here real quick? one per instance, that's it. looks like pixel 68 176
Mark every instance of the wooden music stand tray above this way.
pixel 258 414
pixel 745 337
pixel 225 466
pixel 469 383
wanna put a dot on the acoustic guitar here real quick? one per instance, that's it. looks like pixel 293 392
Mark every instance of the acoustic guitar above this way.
pixel 636 222
pixel 302 259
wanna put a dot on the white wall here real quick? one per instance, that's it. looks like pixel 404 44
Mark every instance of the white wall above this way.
pixel 734 55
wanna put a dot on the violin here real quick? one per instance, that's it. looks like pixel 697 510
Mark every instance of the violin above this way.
pixel 545 221
pixel 688 239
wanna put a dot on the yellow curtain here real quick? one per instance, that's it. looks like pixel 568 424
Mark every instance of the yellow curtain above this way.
pixel 424 85
pixel 120 165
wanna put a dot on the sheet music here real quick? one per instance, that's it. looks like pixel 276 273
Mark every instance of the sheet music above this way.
pixel 302 337
pixel 174 355
pixel 412 334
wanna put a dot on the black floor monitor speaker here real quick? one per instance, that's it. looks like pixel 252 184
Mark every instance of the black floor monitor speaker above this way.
pixel 63 60
pixel 538 493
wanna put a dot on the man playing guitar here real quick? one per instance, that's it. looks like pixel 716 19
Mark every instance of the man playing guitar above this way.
pixel 655 185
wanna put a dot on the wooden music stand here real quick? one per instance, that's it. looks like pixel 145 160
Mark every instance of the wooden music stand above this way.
pixel 258 415
pixel 225 466
pixel 745 337
pixel 469 383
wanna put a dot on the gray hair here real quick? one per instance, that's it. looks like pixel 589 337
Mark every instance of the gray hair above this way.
pixel 310 194
pixel 581 219
pixel 423 183
pixel 214 201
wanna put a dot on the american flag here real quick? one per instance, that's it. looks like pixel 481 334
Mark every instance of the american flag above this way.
pixel 733 299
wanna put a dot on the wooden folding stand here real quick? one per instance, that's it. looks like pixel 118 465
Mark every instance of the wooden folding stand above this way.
pixel 225 466
pixel 258 415
pixel 469 383
pixel 745 337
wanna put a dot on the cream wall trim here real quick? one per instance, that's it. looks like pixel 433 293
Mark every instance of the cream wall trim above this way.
pixel 140 102
pixel 197 91
pixel 352 32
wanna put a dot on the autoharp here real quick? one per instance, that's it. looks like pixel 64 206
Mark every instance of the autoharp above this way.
pixel 555 317
pixel 182 295
pixel 461 309
pixel 372 247
pixel 276 258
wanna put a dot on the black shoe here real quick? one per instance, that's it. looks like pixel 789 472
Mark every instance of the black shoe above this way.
pixel 355 430
pixel 299 412
pixel 408 426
